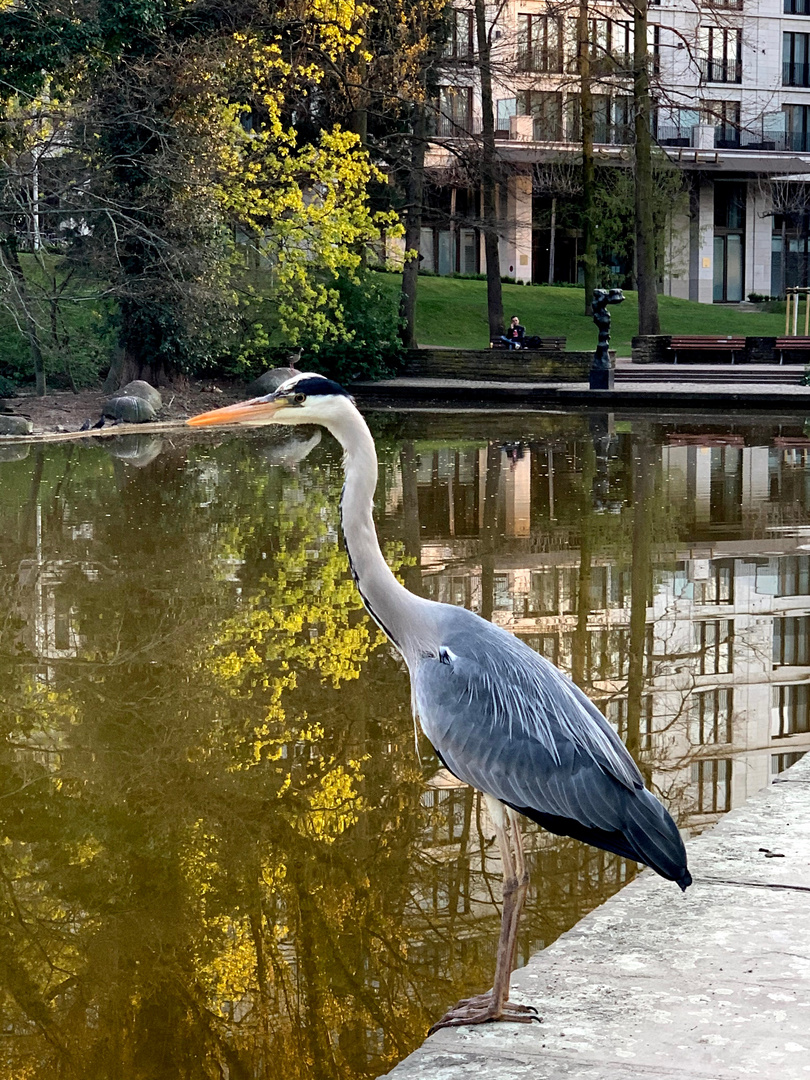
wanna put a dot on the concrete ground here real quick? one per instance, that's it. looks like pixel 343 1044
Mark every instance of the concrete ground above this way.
pixel 714 983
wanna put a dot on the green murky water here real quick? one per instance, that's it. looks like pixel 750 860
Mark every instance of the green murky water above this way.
pixel 222 853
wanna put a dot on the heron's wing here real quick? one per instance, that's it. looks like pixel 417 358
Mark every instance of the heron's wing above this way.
pixel 510 724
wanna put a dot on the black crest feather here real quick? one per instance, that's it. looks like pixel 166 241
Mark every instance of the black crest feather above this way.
pixel 318 385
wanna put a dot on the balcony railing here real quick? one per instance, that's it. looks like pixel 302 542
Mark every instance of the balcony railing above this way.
pixel 671 135
pixel 721 71
pixel 613 134
pixel 545 130
pixel 540 60
pixel 457 127
pixel 795 74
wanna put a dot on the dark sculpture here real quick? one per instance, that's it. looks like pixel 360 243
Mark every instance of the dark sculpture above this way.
pixel 601 369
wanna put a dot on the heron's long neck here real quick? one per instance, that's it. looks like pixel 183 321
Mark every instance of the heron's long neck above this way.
pixel 392 606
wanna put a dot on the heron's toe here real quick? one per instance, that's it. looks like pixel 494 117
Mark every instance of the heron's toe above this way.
pixel 484 1010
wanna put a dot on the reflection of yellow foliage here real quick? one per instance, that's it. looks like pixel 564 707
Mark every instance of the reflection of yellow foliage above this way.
pixel 335 806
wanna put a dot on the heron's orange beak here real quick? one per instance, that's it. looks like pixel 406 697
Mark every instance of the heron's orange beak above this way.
pixel 256 411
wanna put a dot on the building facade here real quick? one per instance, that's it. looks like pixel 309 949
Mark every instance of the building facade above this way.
pixel 731 86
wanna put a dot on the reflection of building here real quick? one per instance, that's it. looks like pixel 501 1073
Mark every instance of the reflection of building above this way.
pixel 724 703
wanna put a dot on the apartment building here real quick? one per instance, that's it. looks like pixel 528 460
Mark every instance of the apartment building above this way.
pixel 731 85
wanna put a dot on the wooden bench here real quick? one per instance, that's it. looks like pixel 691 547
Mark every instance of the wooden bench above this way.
pixel 791 344
pixel 543 344
pixel 707 344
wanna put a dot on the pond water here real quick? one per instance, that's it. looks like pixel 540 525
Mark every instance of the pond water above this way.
pixel 223 852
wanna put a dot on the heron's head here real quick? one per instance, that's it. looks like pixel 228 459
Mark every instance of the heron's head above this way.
pixel 306 398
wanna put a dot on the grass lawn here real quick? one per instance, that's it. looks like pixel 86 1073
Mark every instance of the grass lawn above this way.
pixel 453 311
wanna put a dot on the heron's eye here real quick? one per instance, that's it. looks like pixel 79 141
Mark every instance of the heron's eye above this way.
pixel 299 399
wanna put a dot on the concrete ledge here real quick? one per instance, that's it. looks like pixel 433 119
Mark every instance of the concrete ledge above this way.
pixel 714 984
pixel 551 365
pixel 405 391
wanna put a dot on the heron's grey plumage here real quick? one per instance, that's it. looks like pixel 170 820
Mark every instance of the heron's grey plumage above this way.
pixel 500 716
pixel 507 722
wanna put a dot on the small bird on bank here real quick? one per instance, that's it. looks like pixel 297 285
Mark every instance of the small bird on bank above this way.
pixel 500 716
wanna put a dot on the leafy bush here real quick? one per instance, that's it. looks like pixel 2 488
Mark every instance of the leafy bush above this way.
pixel 372 348
pixel 368 345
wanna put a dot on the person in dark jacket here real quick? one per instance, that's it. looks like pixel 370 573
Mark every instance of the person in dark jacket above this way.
pixel 514 334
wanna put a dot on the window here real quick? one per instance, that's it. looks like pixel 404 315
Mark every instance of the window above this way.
pixel 791 641
pixel 709 715
pixel 715 646
pixel 797 7
pixel 455 110
pixel 539 43
pixel 449 809
pixel 654 48
pixel 553 592
pixel 608 654
pixel 724 117
pixel 718 588
pixel 795 56
pixel 673 127
pixel 780 762
pixel 616 715
pixel 794 570
pixel 460 40
pixel 545 107
pixel 721 49
pixel 612 120
pixel 547 645
pixel 791 710
pixel 797 130
pixel 711 786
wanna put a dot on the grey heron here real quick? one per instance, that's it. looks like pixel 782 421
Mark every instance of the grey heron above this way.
pixel 501 717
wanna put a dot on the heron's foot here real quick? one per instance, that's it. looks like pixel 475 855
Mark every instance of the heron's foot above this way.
pixel 483 1009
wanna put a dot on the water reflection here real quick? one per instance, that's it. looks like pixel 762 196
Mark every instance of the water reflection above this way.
pixel 221 853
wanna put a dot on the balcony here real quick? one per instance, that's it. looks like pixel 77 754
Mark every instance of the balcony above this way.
pixel 671 135
pixel 613 134
pixel 721 71
pixel 540 60
pixel 795 74
pixel 457 127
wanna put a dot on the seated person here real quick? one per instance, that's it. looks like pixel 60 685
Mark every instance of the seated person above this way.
pixel 514 334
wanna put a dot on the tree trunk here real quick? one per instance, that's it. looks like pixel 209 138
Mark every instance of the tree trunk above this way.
pixel 489 529
pixel 641 569
pixel 579 672
pixel 123 369
pixel 488 176
pixel 24 301
pixel 588 169
pixel 413 229
pixel 647 276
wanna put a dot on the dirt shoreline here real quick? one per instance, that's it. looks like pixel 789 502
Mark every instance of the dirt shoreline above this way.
pixel 63 411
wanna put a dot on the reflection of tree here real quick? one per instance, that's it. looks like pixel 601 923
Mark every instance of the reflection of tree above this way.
pixel 220 852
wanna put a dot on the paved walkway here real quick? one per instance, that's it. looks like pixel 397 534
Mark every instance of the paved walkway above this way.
pixel 711 984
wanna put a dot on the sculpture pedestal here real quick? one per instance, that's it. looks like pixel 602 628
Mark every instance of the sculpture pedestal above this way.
pixel 601 378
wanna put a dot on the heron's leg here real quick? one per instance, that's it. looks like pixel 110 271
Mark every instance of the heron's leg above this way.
pixel 522 877
pixel 495 1005
pixel 511 887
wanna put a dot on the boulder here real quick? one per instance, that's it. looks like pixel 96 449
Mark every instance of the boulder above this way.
pixel 129 409
pixel 268 382
pixel 15 425
pixel 136 450
pixel 139 388
pixel 15 453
